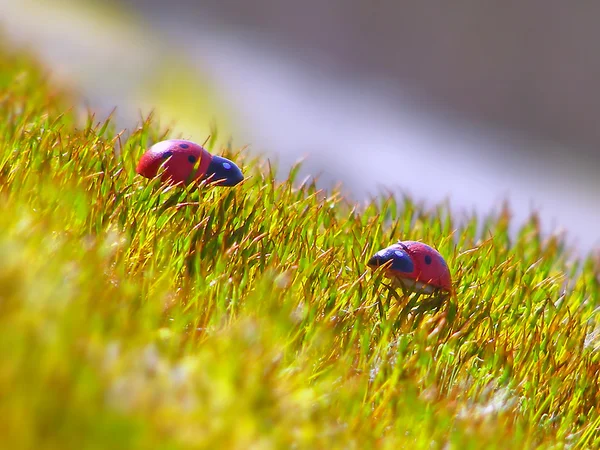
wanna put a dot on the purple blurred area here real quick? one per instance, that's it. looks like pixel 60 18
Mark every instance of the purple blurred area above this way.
pixel 472 101
pixel 531 66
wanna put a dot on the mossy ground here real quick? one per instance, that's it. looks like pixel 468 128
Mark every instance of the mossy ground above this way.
pixel 138 316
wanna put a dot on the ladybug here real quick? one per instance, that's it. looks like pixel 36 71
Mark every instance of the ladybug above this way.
pixel 414 265
pixel 186 161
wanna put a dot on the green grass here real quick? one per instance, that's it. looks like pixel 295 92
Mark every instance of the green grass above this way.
pixel 138 316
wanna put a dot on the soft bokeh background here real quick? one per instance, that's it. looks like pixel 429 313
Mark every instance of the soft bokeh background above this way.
pixel 473 101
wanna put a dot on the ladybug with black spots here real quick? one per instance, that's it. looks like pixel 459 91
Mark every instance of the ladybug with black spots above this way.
pixel 185 162
pixel 414 265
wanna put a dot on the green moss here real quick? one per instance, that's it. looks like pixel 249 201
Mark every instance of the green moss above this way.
pixel 133 316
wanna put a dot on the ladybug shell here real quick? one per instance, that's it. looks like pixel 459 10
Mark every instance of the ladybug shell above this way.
pixel 415 262
pixel 184 161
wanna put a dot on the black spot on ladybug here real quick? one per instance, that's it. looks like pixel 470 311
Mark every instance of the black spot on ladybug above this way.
pixel 167 154
pixel 427 259
pixel 192 159
pixel 184 145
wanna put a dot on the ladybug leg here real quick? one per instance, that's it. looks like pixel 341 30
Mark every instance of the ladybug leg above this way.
pixel 380 307
pixel 408 308
pixel 405 290
pixel 391 294
pixel 433 302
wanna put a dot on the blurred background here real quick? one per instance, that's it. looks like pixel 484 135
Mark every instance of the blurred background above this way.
pixel 475 102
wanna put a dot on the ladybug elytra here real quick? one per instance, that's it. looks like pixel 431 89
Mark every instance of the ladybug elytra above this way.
pixel 415 265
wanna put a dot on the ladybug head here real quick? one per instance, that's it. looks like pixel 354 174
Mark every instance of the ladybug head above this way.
pixel 223 172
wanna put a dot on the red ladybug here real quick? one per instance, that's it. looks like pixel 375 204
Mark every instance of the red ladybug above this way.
pixel 186 161
pixel 414 265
